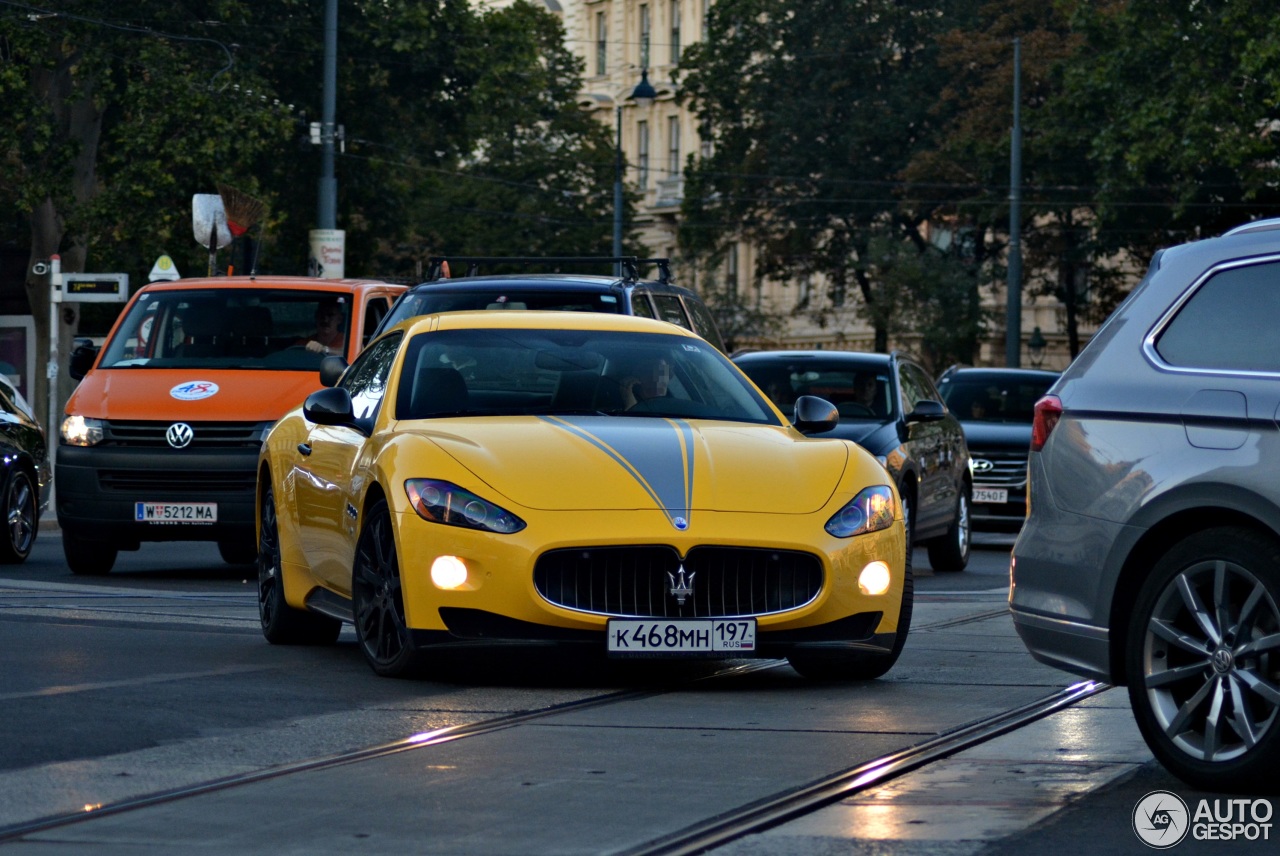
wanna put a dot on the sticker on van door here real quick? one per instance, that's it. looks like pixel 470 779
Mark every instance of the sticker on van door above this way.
pixel 194 390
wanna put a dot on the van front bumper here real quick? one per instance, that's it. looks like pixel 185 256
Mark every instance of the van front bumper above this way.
pixel 99 489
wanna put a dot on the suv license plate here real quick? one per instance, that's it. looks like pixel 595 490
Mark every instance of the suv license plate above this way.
pixel 673 637
pixel 175 512
pixel 990 494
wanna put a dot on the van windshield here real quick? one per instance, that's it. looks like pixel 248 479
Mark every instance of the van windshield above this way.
pixel 242 328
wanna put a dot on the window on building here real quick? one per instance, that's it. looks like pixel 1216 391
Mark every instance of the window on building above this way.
pixel 706 16
pixel 675 32
pixel 705 147
pixel 602 44
pixel 673 147
pixel 642 155
pixel 804 290
pixel 645 31
pixel 731 274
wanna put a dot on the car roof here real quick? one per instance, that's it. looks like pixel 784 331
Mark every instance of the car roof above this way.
pixel 993 373
pixel 586 283
pixel 542 320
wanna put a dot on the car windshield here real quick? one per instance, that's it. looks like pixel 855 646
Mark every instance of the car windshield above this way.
pixel 502 372
pixel 428 301
pixel 857 391
pixel 245 328
pixel 994 399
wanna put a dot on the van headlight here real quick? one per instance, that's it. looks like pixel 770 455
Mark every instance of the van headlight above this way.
pixel 82 431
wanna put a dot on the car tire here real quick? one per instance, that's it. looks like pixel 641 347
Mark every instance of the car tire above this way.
pixel 949 553
pixel 819 665
pixel 377 600
pixel 238 552
pixel 86 557
pixel 20 515
pixel 282 624
pixel 1203 660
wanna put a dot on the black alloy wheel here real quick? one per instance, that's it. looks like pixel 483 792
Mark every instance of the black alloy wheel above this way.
pixel 20 517
pixel 819 665
pixel 378 600
pixel 281 623
pixel 1203 660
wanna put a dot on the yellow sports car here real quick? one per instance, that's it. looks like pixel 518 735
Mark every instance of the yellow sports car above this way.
pixel 574 478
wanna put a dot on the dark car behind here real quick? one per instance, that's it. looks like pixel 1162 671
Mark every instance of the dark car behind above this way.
pixel 902 421
pixel 995 407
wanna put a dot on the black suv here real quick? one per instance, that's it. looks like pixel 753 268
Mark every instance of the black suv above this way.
pixel 622 294
pixel 889 406
pixel 995 407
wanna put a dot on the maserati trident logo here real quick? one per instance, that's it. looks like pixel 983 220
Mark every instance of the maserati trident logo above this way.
pixel 681 587
pixel 179 435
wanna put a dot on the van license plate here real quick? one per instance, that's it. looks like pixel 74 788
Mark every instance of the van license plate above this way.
pixel 175 512
pixel 674 637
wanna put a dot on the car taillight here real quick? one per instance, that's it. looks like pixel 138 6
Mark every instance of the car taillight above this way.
pixel 1048 410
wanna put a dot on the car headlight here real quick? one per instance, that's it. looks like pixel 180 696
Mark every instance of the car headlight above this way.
pixel 870 511
pixel 443 502
pixel 82 431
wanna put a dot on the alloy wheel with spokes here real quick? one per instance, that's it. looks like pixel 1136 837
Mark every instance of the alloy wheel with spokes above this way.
pixel 378 600
pixel 282 624
pixel 20 517
pixel 1204 659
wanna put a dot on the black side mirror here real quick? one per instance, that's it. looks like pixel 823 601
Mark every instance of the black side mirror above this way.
pixel 329 407
pixel 927 411
pixel 81 361
pixel 331 369
pixel 814 415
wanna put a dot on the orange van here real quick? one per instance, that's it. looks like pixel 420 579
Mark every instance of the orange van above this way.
pixel 160 440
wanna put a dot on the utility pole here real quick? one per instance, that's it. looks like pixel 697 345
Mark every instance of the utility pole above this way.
pixel 1013 315
pixel 328 215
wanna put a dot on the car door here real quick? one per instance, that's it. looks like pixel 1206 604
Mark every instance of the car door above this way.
pixel 328 489
pixel 932 447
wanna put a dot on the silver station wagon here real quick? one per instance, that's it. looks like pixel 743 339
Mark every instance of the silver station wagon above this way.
pixel 1151 553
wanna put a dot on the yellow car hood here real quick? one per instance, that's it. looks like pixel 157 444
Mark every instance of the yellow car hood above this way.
pixel 566 463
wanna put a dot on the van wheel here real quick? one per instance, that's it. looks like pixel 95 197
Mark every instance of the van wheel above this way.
pixel 1203 660
pixel 85 557
pixel 238 552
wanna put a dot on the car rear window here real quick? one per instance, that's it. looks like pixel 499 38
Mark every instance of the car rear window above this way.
pixel 1228 324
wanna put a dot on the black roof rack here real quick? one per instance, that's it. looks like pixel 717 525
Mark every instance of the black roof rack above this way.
pixel 627 264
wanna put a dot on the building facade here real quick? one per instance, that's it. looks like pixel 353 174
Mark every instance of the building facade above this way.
pixel 621 41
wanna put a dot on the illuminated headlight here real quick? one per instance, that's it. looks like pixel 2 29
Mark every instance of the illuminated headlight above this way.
pixel 875 578
pixel 448 572
pixel 870 511
pixel 80 431
pixel 442 502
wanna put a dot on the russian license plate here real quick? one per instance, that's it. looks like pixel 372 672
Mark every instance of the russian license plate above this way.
pixel 990 494
pixel 175 512
pixel 644 637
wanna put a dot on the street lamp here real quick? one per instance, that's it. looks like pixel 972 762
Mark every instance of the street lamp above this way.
pixel 1035 348
pixel 643 95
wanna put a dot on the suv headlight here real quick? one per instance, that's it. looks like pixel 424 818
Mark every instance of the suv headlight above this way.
pixel 444 502
pixel 82 431
pixel 870 511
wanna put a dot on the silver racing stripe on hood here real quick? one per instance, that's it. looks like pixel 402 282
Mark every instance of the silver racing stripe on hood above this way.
pixel 661 461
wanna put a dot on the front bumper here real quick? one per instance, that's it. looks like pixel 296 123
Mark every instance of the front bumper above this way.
pixel 98 488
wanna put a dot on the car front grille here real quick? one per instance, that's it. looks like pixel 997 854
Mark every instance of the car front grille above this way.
pixel 1008 469
pixel 204 435
pixel 638 581
pixel 162 483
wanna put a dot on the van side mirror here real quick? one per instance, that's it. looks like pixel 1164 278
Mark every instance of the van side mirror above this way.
pixel 81 360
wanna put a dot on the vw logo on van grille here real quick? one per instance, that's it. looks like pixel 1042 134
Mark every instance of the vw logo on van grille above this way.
pixel 179 435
